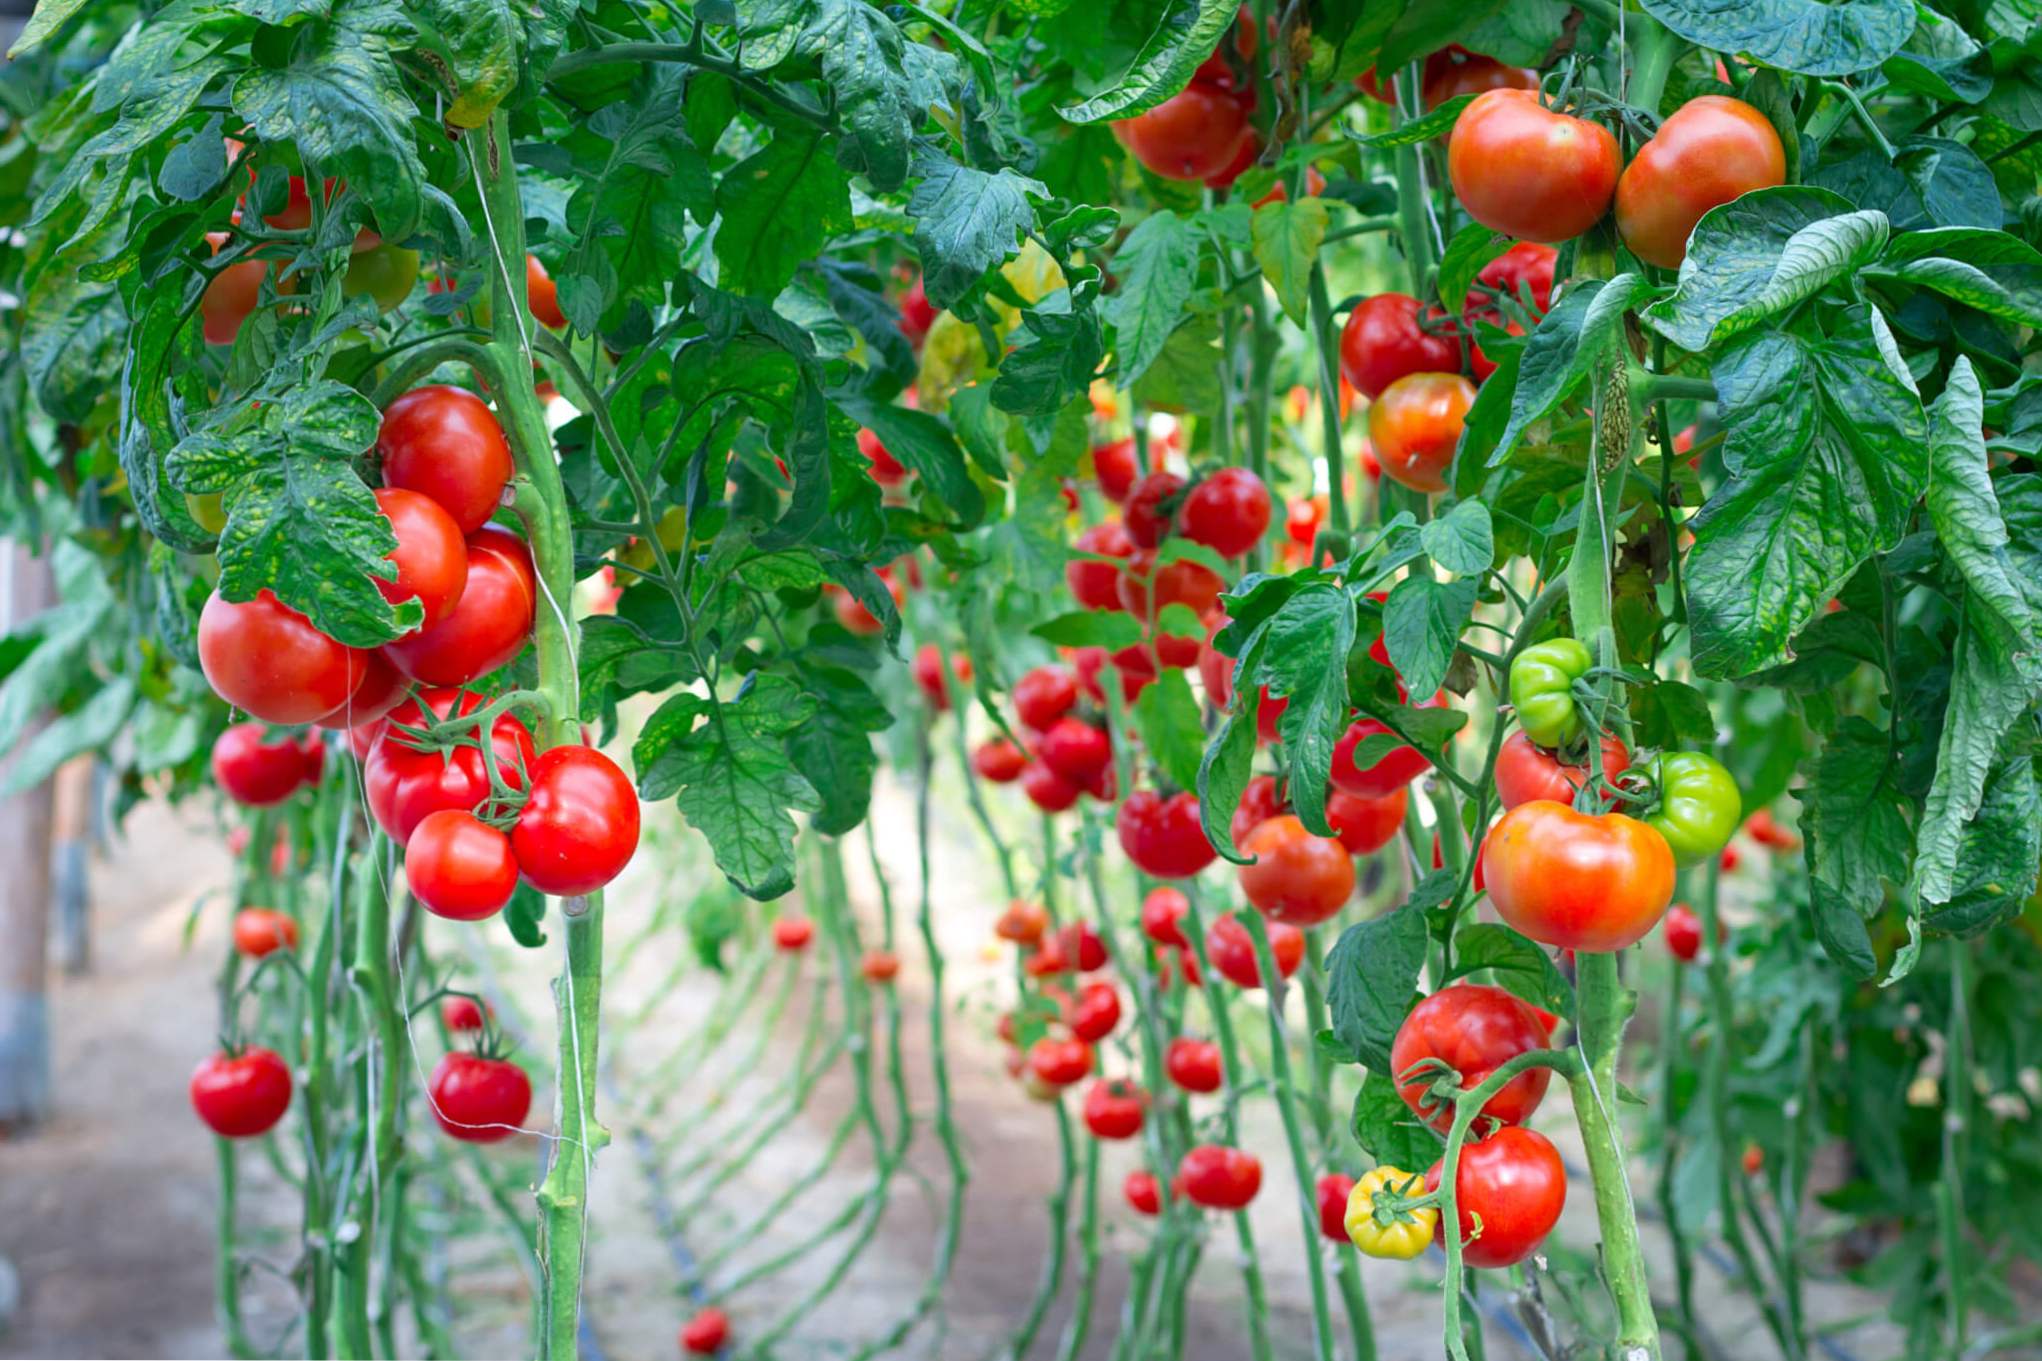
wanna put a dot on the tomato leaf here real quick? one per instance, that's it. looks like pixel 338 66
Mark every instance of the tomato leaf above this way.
pixel 1563 351
pixel 1305 658
pixel 925 446
pixel 833 748
pixel 1857 839
pixel 1998 274
pixel 1514 963
pixel 966 222
pixel 1470 251
pixel 1422 624
pixel 1287 237
pixel 1185 34
pixel 1110 629
pixel 1433 123
pixel 1371 976
pixel 1058 365
pixel 1167 717
pixel 1812 37
pixel 779 207
pixel 1387 1130
pixel 1157 266
pixel 1462 541
pixel 1997 853
pixel 1223 775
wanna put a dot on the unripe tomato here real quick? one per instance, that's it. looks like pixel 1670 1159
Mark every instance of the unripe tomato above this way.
pixel 1114 465
pixel 1333 1190
pixel 917 313
pixel 1473 1029
pixel 1219 1178
pixel 460 1014
pixel 706 1332
pixel 443 442
pixel 1525 772
pixel 1058 1062
pixel 579 826
pixel 1699 804
pixel 1143 1194
pixel 402 784
pixel 488 625
pixel 1193 1065
pixel 1415 425
pixel 1528 171
pixel 1096 585
pixel 1227 512
pixel 1022 923
pixel 1162 910
pixel 1151 507
pixel 1580 881
pixel 885 469
pixel 1115 1109
pixel 1232 950
pixel 1096 1011
pixel 1709 151
pixel 384 272
pixel 241 1095
pixel 1683 932
pixel 927 669
pixel 999 760
pixel 880 966
pixel 1147 589
pixel 261 931
pixel 1192 135
pixel 256 772
pixel 1075 750
pixel 1446 78
pixel 479 1100
pixel 1296 877
pixel 1046 789
pixel 542 295
pixel 1384 340
pixel 1163 836
pixel 430 557
pixel 459 867
pixel 265 658
pixel 1043 695
pixel 792 933
pixel 1509 1190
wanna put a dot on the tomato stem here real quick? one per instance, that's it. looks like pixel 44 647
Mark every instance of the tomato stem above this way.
pixel 1604 1005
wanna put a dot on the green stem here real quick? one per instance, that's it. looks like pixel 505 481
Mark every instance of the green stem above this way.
pixel 1079 1324
pixel 1327 342
pixel 1956 1128
pixel 1604 1006
pixel 226 1266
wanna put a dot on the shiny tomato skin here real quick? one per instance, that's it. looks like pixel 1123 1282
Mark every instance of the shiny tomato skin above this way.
pixel 1393 772
pixel 1147 589
pixel 1096 1011
pixel 1194 1065
pixel 443 442
pixel 1260 802
pixel 1512 1185
pixel 998 760
pixel 1296 877
pixel 579 826
pixel 1383 341
pixel 1115 466
pixel 1302 519
pixel 254 771
pixel 479 1100
pixel 384 272
pixel 1137 670
pixel 1577 880
pixel 1046 789
pixel 792 933
pixel 488 625
pixel 1474 1029
pixel 239 1096
pixel 383 688
pixel 266 659
pixel 1096 585
pixel 1415 425
pixel 1162 910
pixel 459 867
pixel 1144 1195
pixel 1529 171
pixel 1059 1062
pixel 260 931
pixel 1365 826
pixel 431 557
pixel 1525 772
pixel 460 1014
pixel 1526 264
pixel 1075 750
pixel 1331 1193
pixel 1192 135
pixel 1447 79
pixel 1151 507
pixel 1023 922
pixel 706 1332
pixel 1219 1178
pixel 1043 695
pixel 1708 151
pixel 542 295
pixel 1227 512
pixel 402 784
pixel 1115 1109
pixel 1232 950
pixel 885 468
pixel 1163 836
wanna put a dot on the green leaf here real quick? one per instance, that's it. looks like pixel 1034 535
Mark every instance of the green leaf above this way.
pixel 1827 451
pixel 1462 541
pixel 863 59
pixel 1962 504
pixel 1423 620
pixel 1992 271
pixel 1930 182
pixel 1471 250
pixel 1371 975
pixel 1570 341
pixel 90 727
pixel 1110 629
pixel 1044 376
pixel 1433 123
pixel 966 222
pixel 49 16
pixel 833 748
pixel 779 207
pixel 1185 34
pixel 1756 256
pixel 1287 237
pixel 1223 775
pixel 1812 37
pixel 1387 1130
pixel 1157 266
pixel 1940 60
pixel 1182 376
pixel 1304 658
pixel 1674 714
pixel 1166 715
pixel 1518 965
pixel 924 445
pixel 1857 838
pixel 1997 855
pixel 473 47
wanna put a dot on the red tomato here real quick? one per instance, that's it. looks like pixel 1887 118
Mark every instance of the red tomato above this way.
pixel 1162 910
pixel 265 658
pixel 1365 826
pixel 1046 789
pixel 705 1334
pixel 1114 465
pixel 1059 1063
pixel 542 295
pixel 1332 1191
pixel 1143 1194
pixel 579 826
pixel 927 669
pixel 1023 922
pixel 886 470
pixel 1393 772
pixel 1096 585
pixel 1227 512
pixel 1384 340
pixel 999 760
pixel 1115 1109
pixel 1528 171
pixel 1043 695
pixel 1232 950
pixel 1296 877
pixel 1136 667
pixel 1525 265
pixel 1096 1011
pixel 1081 944
pixel 1302 519
pixel 241 1095
pixel 1728 860
pixel 1075 750
pixel 1216 69
pixel 1577 880
pixel 1163 836
pixel 256 772
pixel 1473 1029
pixel 1508 1193
pixel 1525 772
pixel 1415 425
pixel 402 784
pixel 1766 830
pixel 1192 135
pixel 479 1100
pixel 1151 507
pixel 459 867
pixel 1753 1160
pixel 1146 589
pixel 1219 1178
pixel 880 966
pixel 1193 1065
pixel 1709 151
pixel 917 313
pixel 793 933
pixel 231 295
pixel 444 443
pixel 1449 79
pixel 490 624
pixel 431 559
pixel 1683 932
pixel 1315 183
pixel 383 688
pixel 460 1014
pixel 260 931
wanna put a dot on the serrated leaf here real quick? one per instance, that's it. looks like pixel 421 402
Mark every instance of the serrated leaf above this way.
pixel 1995 272
pixel 966 221
pixel 1166 715
pixel 1287 237
pixel 1304 658
pixel 779 207
pixel 1423 620
pixel 1371 975
pixel 1462 541
pixel 1157 266
pixel 1185 34
pixel 1223 775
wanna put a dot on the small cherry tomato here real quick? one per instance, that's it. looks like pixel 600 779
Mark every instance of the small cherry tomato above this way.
pixel 998 760
pixel 1058 1062
pixel 1295 877
pixel 1147 588
pixel 460 1014
pixel 1162 911
pixel 927 669
pixel 1163 836
pixel 886 470
pixel 706 1332
pixel 1415 426
pixel 1095 1012
pixel 1046 789
pixel 542 295
pixel 402 784
pixel 1143 1194
pixel 1114 464
pixel 1115 1108
pixel 793 933
pixel 1509 1190
pixel 1227 512
pixel 256 772
pixel 1580 881
pixel 1023 923
pixel 1232 950
pixel 241 1095
pixel 1096 585
pixel 1332 1191
pixel 1219 1178
pixel 1043 695
pixel 1528 171
pixel 1193 1064
pixel 1473 1029
pixel 1075 750
pixel 1152 508
pixel 1752 1160
pixel 1767 830
pixel 459 867
pixel 260 931
pixel 880 966
pixel 479 1100
pixel 1682 930
pixel 431 559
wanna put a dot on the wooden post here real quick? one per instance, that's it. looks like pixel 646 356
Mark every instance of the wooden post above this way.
pixel 76 785
pixel 26 589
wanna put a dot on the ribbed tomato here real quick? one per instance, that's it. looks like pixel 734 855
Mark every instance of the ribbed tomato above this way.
pixel 1579 881
pixel 1525 772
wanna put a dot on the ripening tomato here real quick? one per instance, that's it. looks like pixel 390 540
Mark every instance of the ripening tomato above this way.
pixel 1683 933
pixel 1022 923
pixel 1365 825
pixel 1219 1178
pixel 1162 910
pixel 1151 508
pixel 402 784
pixel 1446 78
pixel 1193 1064
pixel 1227 512
pixel 1059 1062
pixel 1115 1108
pixel 1192 135
pixel 430 557
pixel 1075 750
pixel 1332 1191
pixel 706 1332
pixel 1384 340
pixel 1509 1190
pixel 917 313
pixel 1415 425
pixel 927 669
pixel 1580 881
pixel 1752 1160
pixel 1046 789
pixel 1525 772
pixel 479 1100
pixel 1044 694
pixel 261 931
pixel 1147 589
pixel 1143 1193
pixel 1473 1029
pixel 1163 836
pixel 383 688
pixel 1096 1011
pixel 885 469
pixel 1096 585
pixel 1232 950
pixel 241 1095
pixel 1296 877
pixel 579 826
pixel 999 760
pixel 459 867
pixel 1709 151
pixel 256 772
pixel 1114 465
pixel 487 627
pixel 460 1014
pixel 443 442
pixel 880 966
pixel 1528 171
pixel 793 933
pixel 384 272
pixel 542 295
pixel 265 658
pixel 231 295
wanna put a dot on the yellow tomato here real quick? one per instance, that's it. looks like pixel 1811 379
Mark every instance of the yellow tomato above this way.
pixel 1392 1232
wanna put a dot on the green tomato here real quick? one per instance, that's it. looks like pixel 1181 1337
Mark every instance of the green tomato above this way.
pixel 386 273
pixel 206 508
pixel 1541 690
pixel 1699 806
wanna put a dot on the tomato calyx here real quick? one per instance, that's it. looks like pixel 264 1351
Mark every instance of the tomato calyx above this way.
pixel 459 731
pixel 1395 1197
